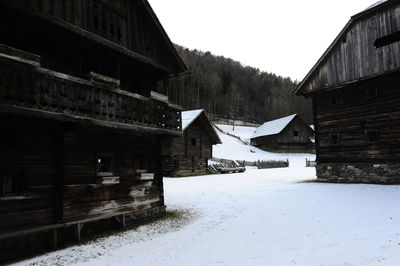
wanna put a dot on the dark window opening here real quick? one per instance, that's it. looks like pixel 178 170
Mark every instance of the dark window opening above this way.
pixel 112 31
pixel 10 139
pixel 372 136
pixel 11 185
pixel 388 39
pixel 296 133
pixel 96 11
pixel 371 93
pixel 334 139
pixel 104 163
pixel 107 22
pixel 333 100
pixel 7 186
pixel 194 141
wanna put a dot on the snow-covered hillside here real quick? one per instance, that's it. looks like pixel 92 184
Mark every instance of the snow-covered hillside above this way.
pixel 233 149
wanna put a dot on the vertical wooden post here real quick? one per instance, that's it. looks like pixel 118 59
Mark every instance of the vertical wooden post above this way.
pixel 77 231
pixel 59 173
pixel 54 238
pixel 159 170
pixel 121 220
pixel 166 84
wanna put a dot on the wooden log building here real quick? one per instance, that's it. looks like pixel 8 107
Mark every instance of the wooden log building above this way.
pixel 287 134
pixel 82 122
pixel 356 99
pixel 189 154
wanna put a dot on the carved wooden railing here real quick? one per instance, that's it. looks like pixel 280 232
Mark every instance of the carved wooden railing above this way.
pixel 24 84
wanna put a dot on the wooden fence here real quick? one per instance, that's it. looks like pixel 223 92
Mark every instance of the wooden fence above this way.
pixel 226 166
pixel 259 164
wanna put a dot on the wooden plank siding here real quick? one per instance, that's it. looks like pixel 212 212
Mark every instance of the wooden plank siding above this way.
pixel 190 153
pixel 32 158
pixel 354 56
pixel 353 115
pixel 354 87
pixel 126 23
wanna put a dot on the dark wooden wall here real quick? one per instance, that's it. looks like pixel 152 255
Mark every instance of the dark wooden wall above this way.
pixel 126 23
pixel 351 113
pixel 188 159
pixel 47 158
pixel 28 156
pixel 83 198
pixel 65 51
pixel 355 56
pixel 286 139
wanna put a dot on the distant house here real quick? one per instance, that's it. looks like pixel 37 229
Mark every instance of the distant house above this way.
pixel 190 153
pixel 356 99
pixel 287 134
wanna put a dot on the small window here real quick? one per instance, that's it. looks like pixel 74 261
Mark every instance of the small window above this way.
pixel 372 136
pixel 371 93
pixel 334 139
pixel 387 39
pixel 104 163
pixel 333 100
pixel 296 133
pixel 194 141
pixel 7 186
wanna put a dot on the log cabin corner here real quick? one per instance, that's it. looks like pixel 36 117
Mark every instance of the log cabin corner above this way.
pixel 356 97
pixel 83 117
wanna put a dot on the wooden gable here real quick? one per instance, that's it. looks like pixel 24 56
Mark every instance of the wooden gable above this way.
pixel 368 46
pixel 129 24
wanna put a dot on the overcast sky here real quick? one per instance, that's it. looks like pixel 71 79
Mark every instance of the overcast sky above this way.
pixel 282 37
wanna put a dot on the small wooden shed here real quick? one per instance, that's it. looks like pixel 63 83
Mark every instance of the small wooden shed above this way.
pixel 354 87
pixel 287 134
pixel 189 155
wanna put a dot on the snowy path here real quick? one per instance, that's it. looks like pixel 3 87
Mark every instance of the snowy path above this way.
pixel 261 217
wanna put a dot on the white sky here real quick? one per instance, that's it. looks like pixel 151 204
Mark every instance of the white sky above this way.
pixel 283 37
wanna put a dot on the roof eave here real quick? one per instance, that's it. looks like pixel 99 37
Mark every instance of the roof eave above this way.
pixel 180 62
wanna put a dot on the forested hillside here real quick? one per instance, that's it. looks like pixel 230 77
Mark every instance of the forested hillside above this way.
pixel 225 88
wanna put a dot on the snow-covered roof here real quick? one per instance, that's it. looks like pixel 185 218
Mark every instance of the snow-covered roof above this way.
pixel 273 127
pixel 376 4
pixel 189 116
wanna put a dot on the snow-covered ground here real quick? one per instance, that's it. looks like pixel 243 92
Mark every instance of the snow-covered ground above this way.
pixel 241 131
pixel 233 149
pixel 260 217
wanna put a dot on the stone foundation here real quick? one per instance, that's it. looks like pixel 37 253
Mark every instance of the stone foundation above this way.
pixel 359 173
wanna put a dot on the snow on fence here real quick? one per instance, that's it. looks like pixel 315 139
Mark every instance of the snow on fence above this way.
pixel 259 164
pixel 272 164
pixel 226 166
pixel 310 163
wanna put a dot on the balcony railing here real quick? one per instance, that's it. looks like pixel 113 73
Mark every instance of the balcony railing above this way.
pixel 24 85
